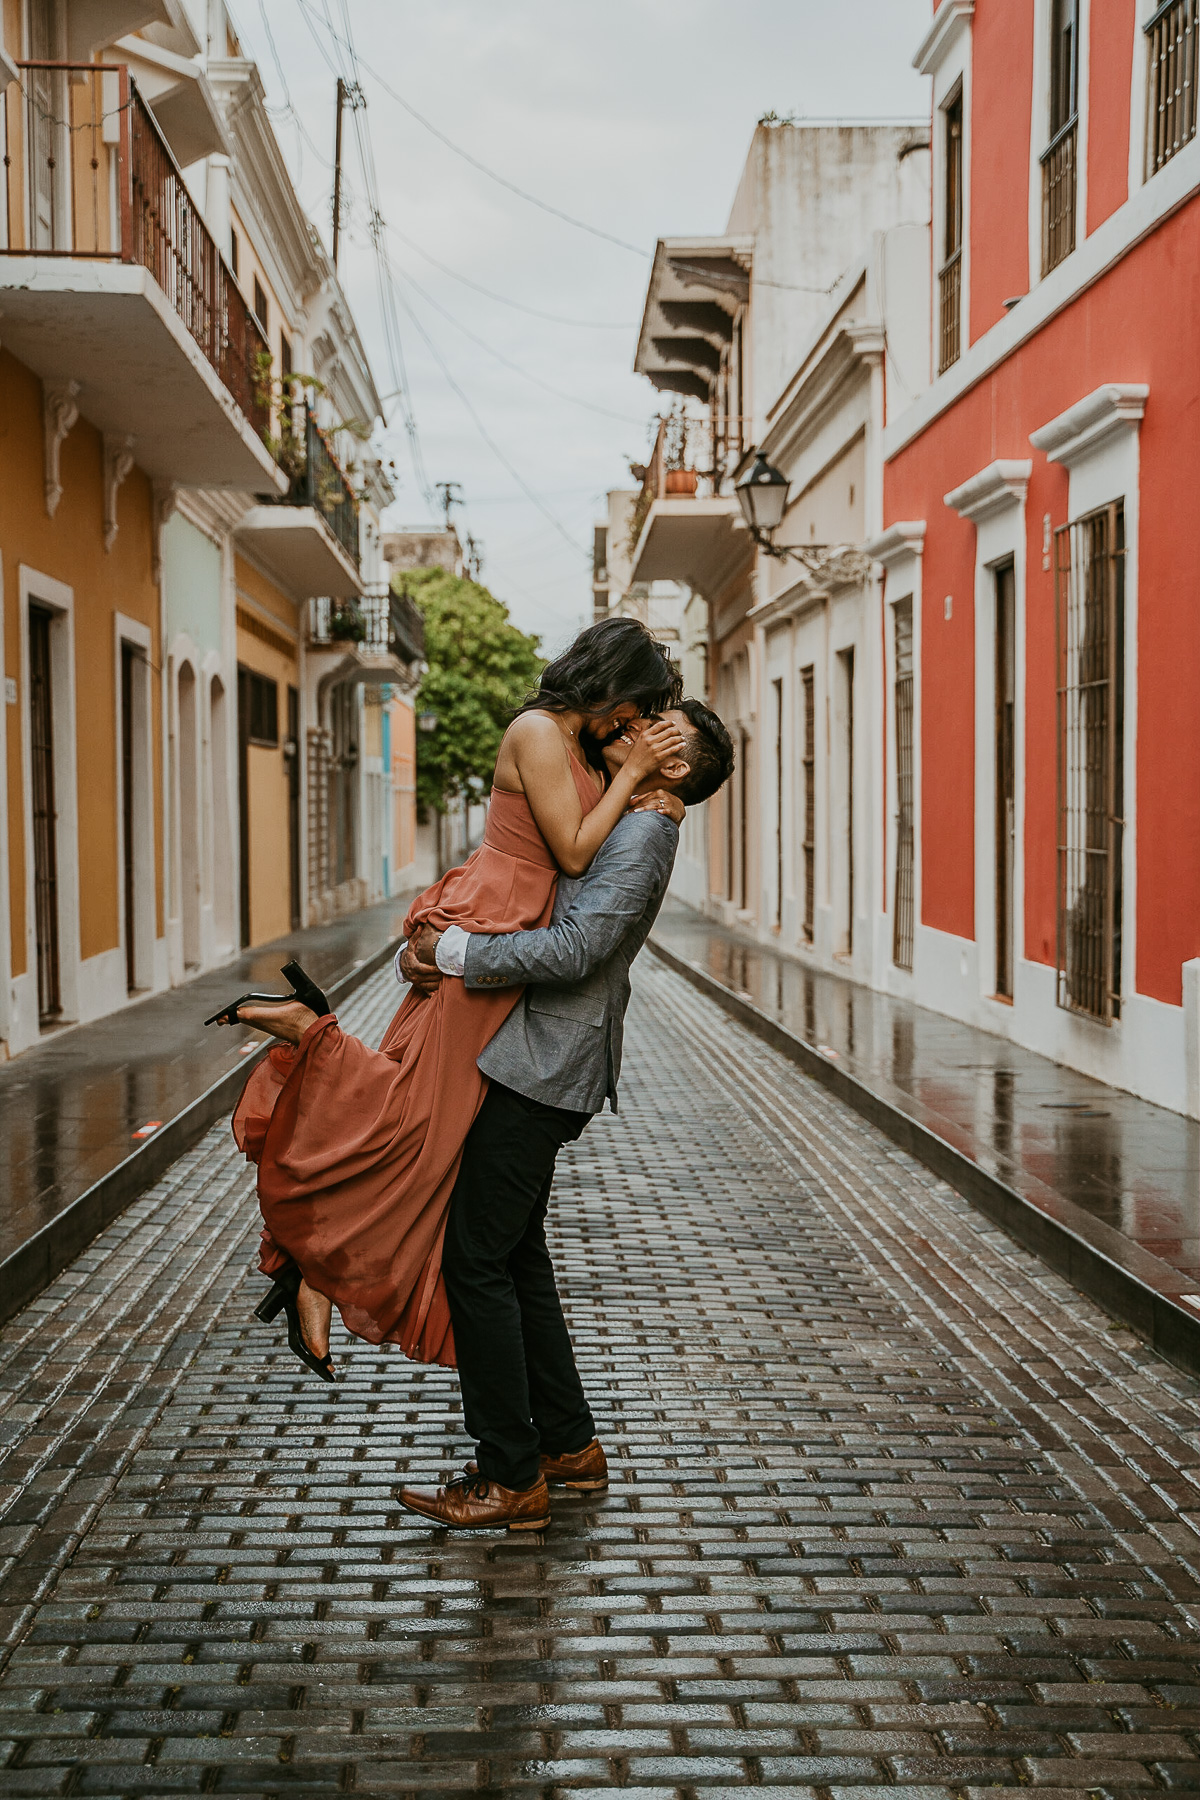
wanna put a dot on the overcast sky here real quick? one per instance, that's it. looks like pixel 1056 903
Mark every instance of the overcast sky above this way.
pixel 632 115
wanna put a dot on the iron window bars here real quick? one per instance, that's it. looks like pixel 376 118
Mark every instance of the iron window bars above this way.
pixel 950 274
pixel 1171 93
pixel 1090 663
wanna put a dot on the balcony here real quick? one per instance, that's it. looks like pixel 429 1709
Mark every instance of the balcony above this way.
pixel 685 526
pixel 308 539
pixel 110 278
pixel 375 639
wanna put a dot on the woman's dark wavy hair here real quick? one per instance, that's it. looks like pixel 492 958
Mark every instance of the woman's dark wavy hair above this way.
pixel 613 663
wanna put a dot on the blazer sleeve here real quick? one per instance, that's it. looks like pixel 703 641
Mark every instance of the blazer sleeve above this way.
pixel 631 868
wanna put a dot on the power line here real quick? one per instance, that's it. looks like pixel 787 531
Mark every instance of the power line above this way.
pixel 484 169
pixel 503 299
pixel 546 387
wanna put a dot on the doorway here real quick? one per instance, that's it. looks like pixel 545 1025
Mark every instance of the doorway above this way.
pixel 189 818
pixel 128 658
pixel 844 803
pixel 45 815
pixel 1006 775
pixel 291 751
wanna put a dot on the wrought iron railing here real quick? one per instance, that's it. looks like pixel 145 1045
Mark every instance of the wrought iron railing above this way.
pixel 318 480
pixel 1059 182
pixel 408 629
pixel 1171 99
pixel 950 312
pixel 88 174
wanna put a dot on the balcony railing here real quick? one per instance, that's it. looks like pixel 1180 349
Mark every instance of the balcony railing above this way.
pixel 88 174
pixel 408 629
pixel 318 480
pixel 377 624
pixel 1058 196
pixel 950 312
pixel 1171 100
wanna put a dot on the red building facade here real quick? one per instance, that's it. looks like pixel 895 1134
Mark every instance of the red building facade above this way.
pixel 1040 498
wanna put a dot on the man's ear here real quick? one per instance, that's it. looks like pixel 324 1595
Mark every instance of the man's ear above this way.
pixel 675 770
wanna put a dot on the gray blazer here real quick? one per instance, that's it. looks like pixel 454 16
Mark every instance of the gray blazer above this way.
pixel 562 1044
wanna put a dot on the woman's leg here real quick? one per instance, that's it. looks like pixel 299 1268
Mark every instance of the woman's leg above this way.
pixel 316 1312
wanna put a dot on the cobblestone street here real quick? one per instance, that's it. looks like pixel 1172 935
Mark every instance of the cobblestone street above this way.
pixel 892 1507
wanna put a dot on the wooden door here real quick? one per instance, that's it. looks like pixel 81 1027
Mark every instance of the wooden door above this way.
pixel 45 816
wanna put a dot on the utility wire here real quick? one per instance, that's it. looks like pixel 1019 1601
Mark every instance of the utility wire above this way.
pixel 574 399
pixel 484 169
pixel 519 305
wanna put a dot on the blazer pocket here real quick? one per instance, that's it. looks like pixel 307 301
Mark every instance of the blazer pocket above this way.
pixel 569 1003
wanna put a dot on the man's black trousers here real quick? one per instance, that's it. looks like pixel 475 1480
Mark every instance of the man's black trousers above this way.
pixel 522 1396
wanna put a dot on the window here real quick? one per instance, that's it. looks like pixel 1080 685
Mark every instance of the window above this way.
pixel 233 251
pixel 1090 649
pixel 777 691
pixel 1059 157
pixel 950 276
pixel 263 703
pixel 903 899
pixel 260 304
pixel 285 354
pixel 1171 101
pixel 809 767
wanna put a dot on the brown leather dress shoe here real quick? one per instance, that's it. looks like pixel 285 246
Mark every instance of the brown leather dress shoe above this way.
pixel 473 1503
pixel 585 1471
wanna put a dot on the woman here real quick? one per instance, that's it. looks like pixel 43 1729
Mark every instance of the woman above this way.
pixel 358 1149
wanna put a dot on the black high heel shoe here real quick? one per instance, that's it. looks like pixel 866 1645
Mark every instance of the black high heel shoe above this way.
pixel 283 1295
pixel 305 991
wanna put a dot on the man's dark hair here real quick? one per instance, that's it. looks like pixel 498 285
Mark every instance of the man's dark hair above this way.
pixel 708 751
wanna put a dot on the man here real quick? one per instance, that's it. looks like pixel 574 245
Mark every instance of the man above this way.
pixel 550 1067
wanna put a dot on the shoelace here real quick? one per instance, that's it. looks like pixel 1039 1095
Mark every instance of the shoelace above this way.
pixel 474 1487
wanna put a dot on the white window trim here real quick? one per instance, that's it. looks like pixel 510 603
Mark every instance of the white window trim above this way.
pixel 994 501
pixel 900 553
pixel 1098 442
pixel 38 589
pixel 1039 127
pixel 133 631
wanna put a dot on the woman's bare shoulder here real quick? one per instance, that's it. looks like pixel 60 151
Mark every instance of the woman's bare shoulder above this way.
pixel 532 729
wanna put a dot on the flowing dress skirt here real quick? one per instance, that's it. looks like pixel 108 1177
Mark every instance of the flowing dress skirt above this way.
pixel 358 1149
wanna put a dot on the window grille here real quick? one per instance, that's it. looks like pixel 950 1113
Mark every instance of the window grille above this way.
pixel 809 763
pixel 1090 651
pixel 1059 161
pixel 903 907
pixel 950 275
pixel 1171 99
pixel 263 698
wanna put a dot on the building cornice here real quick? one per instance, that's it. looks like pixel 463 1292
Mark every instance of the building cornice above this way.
pixel 1081 430
pixel 904 539
pixel 1141 215
pixel 948 20
pixel 1001 484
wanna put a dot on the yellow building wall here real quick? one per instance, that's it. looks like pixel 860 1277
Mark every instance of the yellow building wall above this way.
pixel 271 653
pixel 70 549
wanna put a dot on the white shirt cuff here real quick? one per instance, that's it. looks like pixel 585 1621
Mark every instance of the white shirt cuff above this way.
pixel 451 952
pixel 400 977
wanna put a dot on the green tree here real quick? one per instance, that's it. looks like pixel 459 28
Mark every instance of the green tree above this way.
pixel 480 670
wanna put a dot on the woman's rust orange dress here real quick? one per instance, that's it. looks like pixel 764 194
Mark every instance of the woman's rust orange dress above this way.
pixel 358 1149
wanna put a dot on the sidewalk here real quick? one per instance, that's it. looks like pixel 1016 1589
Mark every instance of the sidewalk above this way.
pixel 1102 1185
pixel 70 1110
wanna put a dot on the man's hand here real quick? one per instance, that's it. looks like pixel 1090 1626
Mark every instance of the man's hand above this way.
pixel 423 943
pixel 422 978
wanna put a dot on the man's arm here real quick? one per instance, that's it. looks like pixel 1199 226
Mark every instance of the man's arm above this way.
pixel 629 870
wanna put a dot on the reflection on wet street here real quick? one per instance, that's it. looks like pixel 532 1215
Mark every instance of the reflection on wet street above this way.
pixel 69 1109
pixel 1045 1130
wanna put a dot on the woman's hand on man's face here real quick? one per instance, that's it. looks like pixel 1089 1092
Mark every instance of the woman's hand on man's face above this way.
pixel 655 744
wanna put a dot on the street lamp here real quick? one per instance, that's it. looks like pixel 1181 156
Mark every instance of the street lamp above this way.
pixel 427 721
pixel 763 497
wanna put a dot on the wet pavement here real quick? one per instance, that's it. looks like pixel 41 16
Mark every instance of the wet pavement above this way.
pixel 893 1510
pixel 1051 1134
pixel 72 1107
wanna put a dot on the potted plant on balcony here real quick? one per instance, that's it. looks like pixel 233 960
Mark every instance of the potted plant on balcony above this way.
pixel 347 623
pixel 680 477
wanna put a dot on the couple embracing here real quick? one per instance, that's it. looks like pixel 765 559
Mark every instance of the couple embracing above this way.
pixel 408 1186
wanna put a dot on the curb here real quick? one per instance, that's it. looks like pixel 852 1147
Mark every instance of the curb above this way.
pixel 32 1266
pixel 1127 1281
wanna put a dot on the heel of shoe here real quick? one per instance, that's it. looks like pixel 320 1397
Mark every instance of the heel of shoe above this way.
pixel 530 1524
pixel 272 1303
